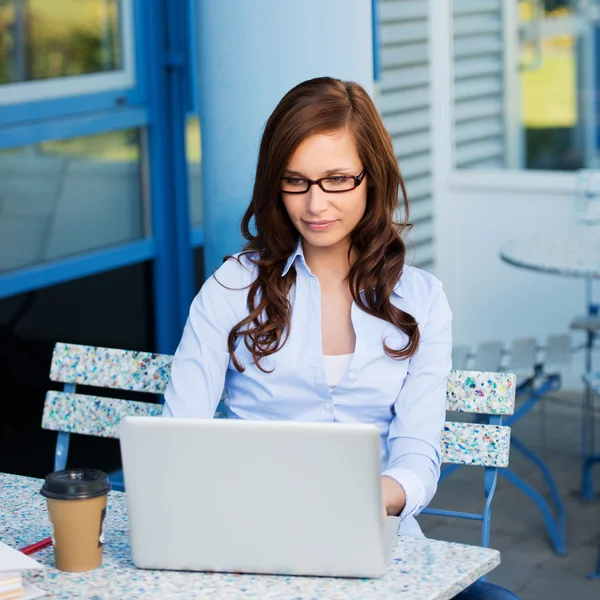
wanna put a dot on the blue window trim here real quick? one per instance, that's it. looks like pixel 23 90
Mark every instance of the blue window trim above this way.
pixel 79 126
pixel 163 150
pixel 197 237
pixel 192 52
pixel 178 100
pixel 81 265
pixel 70 105
pixel 160 100
pixel 376 40
pixel 596 43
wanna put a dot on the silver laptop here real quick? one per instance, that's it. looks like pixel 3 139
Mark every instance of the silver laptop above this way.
pixel 255 497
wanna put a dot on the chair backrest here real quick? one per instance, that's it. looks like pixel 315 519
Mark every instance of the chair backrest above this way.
pixel 67 411
pixel 73 365
pixel 483 393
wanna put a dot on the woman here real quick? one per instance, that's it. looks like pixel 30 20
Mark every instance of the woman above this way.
pixel 318 318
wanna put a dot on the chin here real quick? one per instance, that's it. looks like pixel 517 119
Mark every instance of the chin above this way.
pixel 318 240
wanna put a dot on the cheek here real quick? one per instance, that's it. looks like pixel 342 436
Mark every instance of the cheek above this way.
pixel 360 207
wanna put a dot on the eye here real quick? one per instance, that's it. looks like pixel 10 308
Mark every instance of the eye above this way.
pixel 339 180
pixel 295 181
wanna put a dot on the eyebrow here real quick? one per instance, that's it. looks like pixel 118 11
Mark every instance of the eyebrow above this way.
pixel 326 174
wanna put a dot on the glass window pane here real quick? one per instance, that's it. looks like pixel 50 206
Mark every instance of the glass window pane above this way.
pixel 194 162
pixel 63 197
pixel 42 39
pixel 525 84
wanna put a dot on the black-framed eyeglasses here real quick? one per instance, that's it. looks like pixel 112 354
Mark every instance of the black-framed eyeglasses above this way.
pixel 335 184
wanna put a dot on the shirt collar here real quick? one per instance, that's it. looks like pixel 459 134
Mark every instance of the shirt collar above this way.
pixel 290 261
pixel 299 252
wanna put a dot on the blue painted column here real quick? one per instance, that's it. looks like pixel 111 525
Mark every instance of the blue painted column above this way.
pixel 249 55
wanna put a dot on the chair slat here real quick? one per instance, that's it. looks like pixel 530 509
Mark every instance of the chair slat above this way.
pixel 488 357
pixel 522 357
pixel 483 393
pixel 475 444
pixel 587 323
pixel 91 415
pixel 460 357
pixel 111 368
pixel 558 354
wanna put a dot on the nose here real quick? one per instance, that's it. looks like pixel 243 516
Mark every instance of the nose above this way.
pixel 316 200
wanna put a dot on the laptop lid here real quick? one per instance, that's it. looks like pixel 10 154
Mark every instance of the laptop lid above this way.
pixel 254 496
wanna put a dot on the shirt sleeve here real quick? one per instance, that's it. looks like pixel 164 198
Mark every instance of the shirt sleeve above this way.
pixel 202 357
pixel 420 409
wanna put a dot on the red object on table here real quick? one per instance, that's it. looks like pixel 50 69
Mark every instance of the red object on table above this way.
pixel 37 546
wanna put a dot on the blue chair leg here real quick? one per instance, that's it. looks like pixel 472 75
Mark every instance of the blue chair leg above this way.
pixel 596 575
pixel 116 480
pixel 587 488
pixel 587 444
pixel 561 513
pixel 490 479
pixel 555 530
pixel 62 450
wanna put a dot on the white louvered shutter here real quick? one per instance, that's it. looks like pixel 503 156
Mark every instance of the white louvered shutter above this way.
pixel 404 104
pixel 479 120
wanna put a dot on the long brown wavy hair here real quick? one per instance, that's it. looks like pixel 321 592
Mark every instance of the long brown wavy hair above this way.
pixel 317 106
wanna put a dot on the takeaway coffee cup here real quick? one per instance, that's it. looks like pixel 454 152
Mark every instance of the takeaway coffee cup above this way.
pixel 76 501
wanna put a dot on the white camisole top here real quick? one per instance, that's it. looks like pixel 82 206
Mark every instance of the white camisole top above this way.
pixel 335 368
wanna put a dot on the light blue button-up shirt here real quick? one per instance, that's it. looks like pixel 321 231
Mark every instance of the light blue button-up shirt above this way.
pixel 405 399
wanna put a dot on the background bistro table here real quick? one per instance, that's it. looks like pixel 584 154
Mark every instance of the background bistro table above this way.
pixel 420 570
pixel 575 252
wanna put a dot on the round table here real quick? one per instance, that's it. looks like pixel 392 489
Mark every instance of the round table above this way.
pixel 572 251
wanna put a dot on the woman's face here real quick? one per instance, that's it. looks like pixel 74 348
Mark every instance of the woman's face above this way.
pixel 325 219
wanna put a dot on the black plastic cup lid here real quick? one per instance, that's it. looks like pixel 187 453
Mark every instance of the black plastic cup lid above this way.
pixel 75 484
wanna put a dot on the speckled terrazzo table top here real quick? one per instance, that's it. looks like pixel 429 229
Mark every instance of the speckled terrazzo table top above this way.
pixel 571 251
pixel 420 570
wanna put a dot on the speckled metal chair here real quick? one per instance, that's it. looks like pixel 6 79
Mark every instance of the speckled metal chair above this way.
pixel 540 366
pixel 69 412
pixel 480 444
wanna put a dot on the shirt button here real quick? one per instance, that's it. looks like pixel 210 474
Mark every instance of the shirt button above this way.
pixel 352 375
pixel 328 406
pixel 318 373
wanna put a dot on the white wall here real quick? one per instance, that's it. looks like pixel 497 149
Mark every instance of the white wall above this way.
pixel 476 212
pixel 492 300
pixel 249 55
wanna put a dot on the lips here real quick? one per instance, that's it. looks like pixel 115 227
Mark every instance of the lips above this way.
pixel 318 225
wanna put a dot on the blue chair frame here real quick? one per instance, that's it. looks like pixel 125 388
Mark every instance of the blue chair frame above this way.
pixel 589 460
pixel 592 383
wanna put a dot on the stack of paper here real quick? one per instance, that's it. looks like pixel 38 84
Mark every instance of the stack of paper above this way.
pixel 12 586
